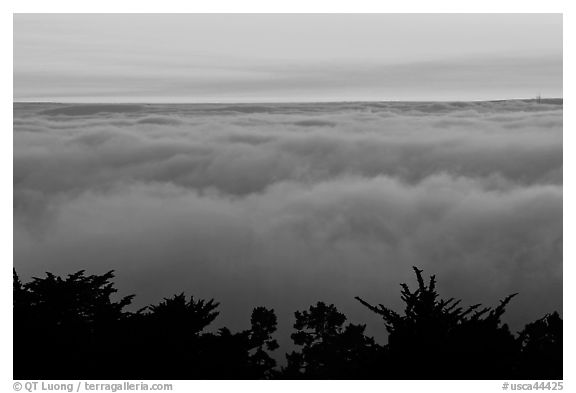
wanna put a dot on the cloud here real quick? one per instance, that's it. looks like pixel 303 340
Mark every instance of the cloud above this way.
pixel 86 110
pixel 254 208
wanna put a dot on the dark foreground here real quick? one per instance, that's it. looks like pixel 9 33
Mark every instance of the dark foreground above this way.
pixel 70 328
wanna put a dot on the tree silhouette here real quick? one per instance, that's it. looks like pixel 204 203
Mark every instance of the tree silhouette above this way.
pixel 264 324
pixel 171 331
pixel 438 339
pixel 330 349
pixel 73 328
pixel 242 355
pixel 177 313
pixel 61 325
pixel 541 341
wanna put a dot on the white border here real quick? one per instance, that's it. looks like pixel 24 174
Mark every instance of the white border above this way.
pixel 297 6
pixel 294 6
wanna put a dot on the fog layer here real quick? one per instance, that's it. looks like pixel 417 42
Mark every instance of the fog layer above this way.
pixel 284 205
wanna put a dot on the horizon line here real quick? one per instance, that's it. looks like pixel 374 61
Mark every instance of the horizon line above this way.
pixel 273 102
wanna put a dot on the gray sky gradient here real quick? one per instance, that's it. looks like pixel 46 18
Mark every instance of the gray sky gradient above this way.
pixel 285 57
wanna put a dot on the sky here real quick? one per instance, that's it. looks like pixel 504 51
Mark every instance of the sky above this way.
pixel 285 57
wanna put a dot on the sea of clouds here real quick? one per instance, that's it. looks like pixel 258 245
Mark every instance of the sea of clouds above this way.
pixel 284 205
